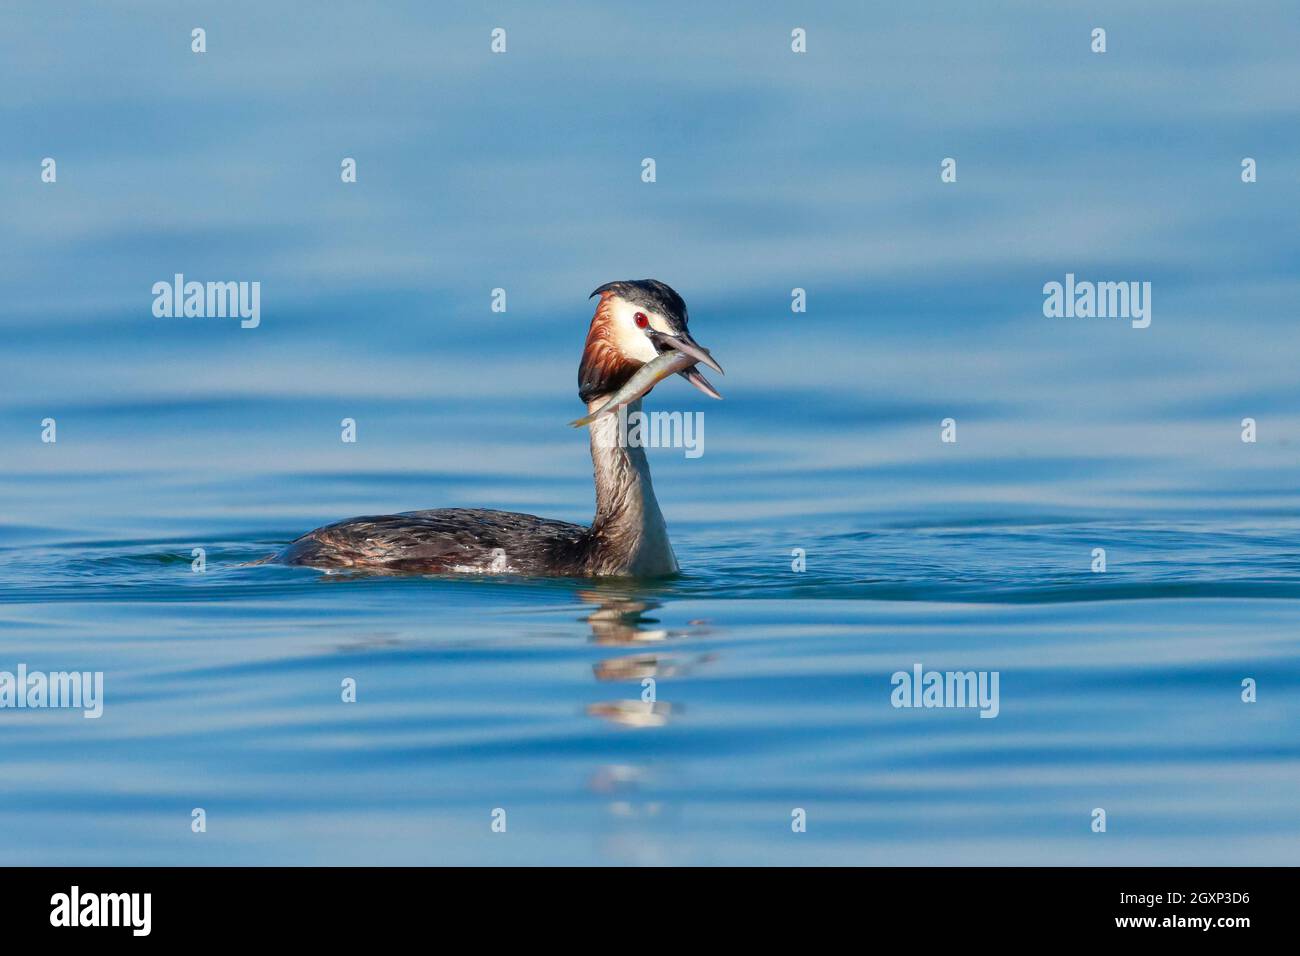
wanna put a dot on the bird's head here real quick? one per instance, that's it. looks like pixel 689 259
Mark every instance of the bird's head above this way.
pixel 636 320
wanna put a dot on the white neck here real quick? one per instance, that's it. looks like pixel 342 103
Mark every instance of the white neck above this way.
pixel 629 531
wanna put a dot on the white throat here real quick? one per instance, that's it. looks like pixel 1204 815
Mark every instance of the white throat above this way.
pixel 629 531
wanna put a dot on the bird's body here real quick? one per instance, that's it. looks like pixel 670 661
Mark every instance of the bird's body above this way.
pixel 634 322
pixel 445 541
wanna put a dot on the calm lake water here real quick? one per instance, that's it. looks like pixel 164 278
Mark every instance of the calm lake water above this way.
pixel 1119 690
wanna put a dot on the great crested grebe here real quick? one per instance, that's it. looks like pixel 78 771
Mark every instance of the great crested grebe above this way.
pixel 639 324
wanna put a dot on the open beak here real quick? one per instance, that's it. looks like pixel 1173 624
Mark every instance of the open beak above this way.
pixel 700 382
pixel 683 343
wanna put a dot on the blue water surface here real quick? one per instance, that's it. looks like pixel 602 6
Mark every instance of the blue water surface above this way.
pixel 1119 689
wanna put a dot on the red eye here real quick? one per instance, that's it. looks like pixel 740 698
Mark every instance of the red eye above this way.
pixel 641 320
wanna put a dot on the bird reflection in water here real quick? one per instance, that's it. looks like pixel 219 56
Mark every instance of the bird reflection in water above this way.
pixel 621 620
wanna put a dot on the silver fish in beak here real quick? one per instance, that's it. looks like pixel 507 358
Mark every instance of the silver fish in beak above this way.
pixel 651 374
pixel 681 341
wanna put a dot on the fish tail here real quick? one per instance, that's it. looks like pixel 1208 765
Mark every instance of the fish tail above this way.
pixel 588 419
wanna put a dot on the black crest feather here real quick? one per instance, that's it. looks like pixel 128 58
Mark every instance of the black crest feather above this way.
pixel 649 293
